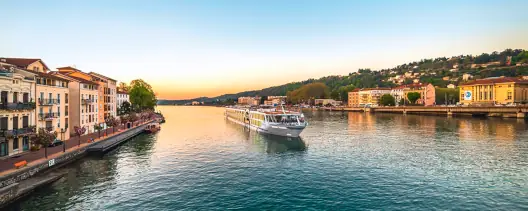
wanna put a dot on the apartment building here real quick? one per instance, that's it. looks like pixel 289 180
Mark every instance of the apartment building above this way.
pixel 353 98
pixel 83 98
pixel 371 96
pixel 102 89
pixel 110 94
pixel 17 108
pixel 426 90
pixel 52 104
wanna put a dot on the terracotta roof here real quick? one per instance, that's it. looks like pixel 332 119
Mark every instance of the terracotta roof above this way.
pixel 496 81
pixel 22 62
pixel 379 88
pixel 121 92
pixel 81 80
pixel 46 75
pixel 68 67
pixel 418 85
pixel 99 75
pixel 356 90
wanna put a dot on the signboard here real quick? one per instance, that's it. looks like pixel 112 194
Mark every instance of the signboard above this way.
pixel 51 162
pixel 467 95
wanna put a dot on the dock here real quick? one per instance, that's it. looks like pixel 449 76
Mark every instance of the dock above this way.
pixel 501 111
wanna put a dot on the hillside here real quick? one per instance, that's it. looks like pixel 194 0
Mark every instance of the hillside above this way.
pixel 438 71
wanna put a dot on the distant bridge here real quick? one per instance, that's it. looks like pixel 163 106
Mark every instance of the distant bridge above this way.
pixel 504 111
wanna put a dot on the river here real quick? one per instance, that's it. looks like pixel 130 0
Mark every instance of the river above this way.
pixel 344 161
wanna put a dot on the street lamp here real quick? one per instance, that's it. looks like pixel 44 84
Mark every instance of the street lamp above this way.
pixel 63 141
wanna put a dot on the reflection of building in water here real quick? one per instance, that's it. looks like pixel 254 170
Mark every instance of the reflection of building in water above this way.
pixel 504 131
pixel 360 122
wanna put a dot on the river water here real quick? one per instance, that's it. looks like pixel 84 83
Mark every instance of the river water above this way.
pixel 344 161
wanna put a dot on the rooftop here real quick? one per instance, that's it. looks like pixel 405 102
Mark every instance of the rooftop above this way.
pixel 97 74
pixel 495 80
pixel 80 80
pixel 22 62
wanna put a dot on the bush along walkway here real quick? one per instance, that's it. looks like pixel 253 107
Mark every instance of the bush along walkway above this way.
pixel 7 165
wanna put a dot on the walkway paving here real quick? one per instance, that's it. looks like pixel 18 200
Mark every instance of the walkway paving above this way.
pixel 7 165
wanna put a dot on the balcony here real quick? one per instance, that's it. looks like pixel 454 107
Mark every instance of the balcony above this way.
pixel 87 101
pixel 47 128
pixel 46 102
pixel 48 116
pixel 17 106
pixel 17 132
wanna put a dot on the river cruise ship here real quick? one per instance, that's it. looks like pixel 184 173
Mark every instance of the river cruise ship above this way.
pixel 270 120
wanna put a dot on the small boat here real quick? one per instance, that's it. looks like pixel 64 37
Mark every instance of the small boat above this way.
pixel 153 127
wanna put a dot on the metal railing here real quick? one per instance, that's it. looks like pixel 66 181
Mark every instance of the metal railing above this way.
pixel 17 132
pixel 48 116
pixel 48 101
pixel 17 106
pixel 87 101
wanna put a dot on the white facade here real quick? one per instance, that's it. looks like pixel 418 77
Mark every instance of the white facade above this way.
pixel 398 94
pixel 121 98
pixel 17 110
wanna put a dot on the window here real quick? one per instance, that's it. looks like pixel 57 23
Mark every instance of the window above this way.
pixel 509 95
pixel 25 143
pixel 58 111
pixel 15 97
pixel 15 144
pixel 65 98
pixel 58 97
pixel 25 121
pixel 42 96
pixel 65 110
pixel 15 122
pixel 25 98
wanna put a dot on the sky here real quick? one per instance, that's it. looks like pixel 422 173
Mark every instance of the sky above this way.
pixel 188 49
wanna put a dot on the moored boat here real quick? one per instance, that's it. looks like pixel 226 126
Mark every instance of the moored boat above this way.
pixel 270 120
pixel 152 127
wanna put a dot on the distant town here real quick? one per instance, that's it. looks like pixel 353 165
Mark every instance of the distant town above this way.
pixel 495 79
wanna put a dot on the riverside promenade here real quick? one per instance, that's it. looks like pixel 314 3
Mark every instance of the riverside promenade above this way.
pixel 495 111
pixel 39 171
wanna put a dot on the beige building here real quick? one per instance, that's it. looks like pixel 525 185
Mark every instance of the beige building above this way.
pixel 371 96
pixel 353 98
pixel 52 104
pixel 17 107
pixel 249 101
pixel 110 94
pixel 83 96
pixel 497 90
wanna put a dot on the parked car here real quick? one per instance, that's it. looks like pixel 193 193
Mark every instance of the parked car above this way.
pixel 56 142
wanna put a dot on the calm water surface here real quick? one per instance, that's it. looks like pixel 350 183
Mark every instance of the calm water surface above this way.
pixel 345 161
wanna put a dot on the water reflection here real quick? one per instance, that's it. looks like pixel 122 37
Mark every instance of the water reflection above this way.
pixel 465 128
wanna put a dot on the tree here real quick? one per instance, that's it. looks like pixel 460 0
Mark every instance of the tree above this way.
pixel 132 117
pixel 45 138
pixel 125 108
pixel 308 92
pixel 141 95
pixel 334 94
pixel 98 128
pixel 111 121
pixel 387 100
pixel 343 92
pixel 413 97
pixel 79 131
pixel 123 87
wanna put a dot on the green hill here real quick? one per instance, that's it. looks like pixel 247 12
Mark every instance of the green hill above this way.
pixel 438 71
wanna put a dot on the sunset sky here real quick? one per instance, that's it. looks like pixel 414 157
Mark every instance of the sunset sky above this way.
pixel 188 49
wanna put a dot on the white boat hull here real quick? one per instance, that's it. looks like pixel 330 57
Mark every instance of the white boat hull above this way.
pixel 279 130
